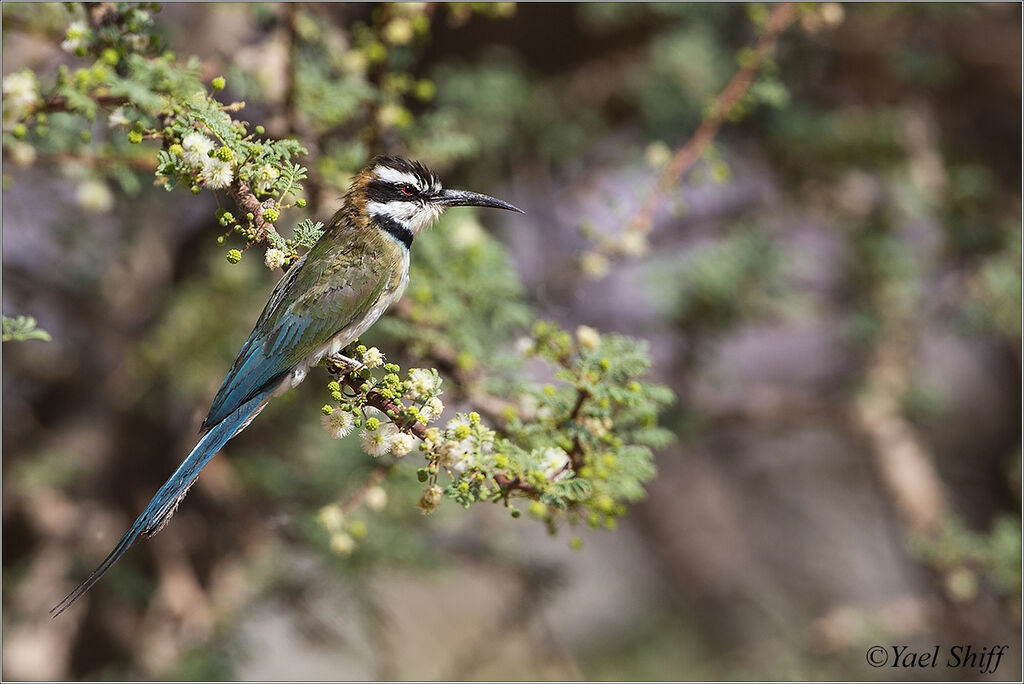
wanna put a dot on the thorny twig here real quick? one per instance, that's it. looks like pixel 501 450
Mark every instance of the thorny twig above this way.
pixel 389 407
pixel 687 155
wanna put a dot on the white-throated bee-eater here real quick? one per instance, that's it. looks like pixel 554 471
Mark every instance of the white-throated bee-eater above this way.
pixel 356 270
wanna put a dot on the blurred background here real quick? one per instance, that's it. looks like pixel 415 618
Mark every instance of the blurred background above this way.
pixel 833 292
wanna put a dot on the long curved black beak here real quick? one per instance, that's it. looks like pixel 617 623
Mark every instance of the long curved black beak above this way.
pixel 465 198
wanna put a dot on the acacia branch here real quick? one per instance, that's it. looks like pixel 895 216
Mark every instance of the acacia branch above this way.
pixel 642 222
pixel 374 478
pixel 247 202
pixel 391 408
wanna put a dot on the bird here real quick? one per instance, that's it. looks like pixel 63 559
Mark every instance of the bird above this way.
pixel 328 298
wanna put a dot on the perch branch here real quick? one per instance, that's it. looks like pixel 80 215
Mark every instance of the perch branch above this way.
pixel 385 405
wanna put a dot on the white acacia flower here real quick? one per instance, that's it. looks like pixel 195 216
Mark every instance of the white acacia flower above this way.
pixel 401 444
pixel 274 259
pixel 373 357
pixel 432 409
pixel 587 337
pixel 339 424
pixel 94 196
pixel 342 543
pixel 331 517
pixel 432 439
pixel 633 243
pixel 421 383
pixel 461 420
pixel 217 174
pixel 378 442
pixel 376 498
pixel 594 264
pixel 21 92
pixel 137 41
pixel 598 427
pixel 77 36
pixel 464 460
pixel 431 499
pixel 117 118
pixel 23 154
pixel 197 146
pixel 265 176
pixel 553 461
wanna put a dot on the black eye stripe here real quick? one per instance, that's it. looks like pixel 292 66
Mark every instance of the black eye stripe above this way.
pixel 381 191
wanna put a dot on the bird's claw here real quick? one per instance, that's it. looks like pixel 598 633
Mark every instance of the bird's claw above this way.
pixel 347 365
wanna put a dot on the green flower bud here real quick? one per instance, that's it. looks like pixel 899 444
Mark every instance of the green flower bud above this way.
pixel 514 513
pixel 260 130
pixel 196 189
pixel 110 56
pixel 327 409
pixel 86 136
pixel 43 131
pixel 20 131
pixel 425 90
pixel 336 395
pixel 421 474
pixel 234 256
pixel 218 83
pixel 575 543
pixel 220 239
pixel 270 215
pixel 300 202
pixel 372 424
pixel 474 418
pixel 224 153
pixel 134 137
pixel 176 149
pixel 461 432
pixel 333 386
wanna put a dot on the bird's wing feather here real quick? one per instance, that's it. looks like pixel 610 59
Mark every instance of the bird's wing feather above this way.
pixel 325 293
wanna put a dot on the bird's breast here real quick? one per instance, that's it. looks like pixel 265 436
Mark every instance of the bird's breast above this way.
pixel 398 280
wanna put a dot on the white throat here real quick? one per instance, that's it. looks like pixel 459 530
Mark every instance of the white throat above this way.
pixel 414 216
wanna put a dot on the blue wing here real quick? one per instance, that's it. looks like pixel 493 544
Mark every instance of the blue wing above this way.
pixel 315 300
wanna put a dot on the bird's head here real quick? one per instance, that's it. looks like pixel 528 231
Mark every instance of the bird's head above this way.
pixel 408 196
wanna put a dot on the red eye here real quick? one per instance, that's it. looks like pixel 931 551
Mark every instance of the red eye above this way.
pixel 408 190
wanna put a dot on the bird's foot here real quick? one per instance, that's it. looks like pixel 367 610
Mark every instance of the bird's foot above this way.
pixel 348 365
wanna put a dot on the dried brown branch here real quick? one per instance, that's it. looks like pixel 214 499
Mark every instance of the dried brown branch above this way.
pixel 60 104
pixel 95 161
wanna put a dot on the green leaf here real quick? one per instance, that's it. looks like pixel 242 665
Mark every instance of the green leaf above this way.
pixel 307 233
pixel 23 328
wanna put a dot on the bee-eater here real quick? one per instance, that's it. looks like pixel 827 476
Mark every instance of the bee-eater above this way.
pixel 328 298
